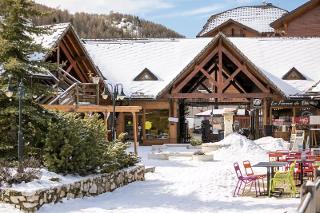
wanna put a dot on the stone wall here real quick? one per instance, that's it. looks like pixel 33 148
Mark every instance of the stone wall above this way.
pixel 92 186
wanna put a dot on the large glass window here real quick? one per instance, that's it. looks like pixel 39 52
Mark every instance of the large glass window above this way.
pixel 157 124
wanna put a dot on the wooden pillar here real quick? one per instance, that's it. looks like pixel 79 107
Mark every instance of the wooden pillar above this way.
pixel 58 56
pixel 144 135
pixel 106 117
pixel 173 126
pixel 135 133
pixel 267 113
pixel 220 78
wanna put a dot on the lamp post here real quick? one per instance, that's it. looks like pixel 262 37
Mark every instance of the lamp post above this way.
pixel 115 95
pixel 21 93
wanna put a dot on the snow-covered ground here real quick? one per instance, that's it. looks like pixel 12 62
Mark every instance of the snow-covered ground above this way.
pixel 183 185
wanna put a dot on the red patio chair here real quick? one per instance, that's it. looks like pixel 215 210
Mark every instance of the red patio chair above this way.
pixel 246 180
pixel 249 172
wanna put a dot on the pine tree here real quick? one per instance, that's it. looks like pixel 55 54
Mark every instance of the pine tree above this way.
pixel 17 52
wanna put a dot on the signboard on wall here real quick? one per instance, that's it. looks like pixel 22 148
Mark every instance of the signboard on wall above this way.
pixel 302 120
pixel 315 120
pixel 173 119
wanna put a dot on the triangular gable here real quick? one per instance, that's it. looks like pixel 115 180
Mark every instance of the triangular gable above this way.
pixel 268 83
pixel 224 24
pixel 294 74
pixel 146 75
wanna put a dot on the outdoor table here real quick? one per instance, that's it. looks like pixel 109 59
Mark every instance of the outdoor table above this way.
pixel 300 162
pixel 270 170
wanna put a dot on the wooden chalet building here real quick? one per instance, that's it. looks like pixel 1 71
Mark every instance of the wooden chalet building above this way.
pixel 163 76
pixel 248 21
pixel 303 21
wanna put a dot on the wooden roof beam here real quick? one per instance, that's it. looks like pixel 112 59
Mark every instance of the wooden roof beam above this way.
pixel 92 108
pixel 220 96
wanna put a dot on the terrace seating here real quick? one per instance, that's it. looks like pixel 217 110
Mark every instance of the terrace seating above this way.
pixel 246 180
pixel 285 178
pixel 249 172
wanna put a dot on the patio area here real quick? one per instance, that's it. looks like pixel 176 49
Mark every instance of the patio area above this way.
pixel 181 184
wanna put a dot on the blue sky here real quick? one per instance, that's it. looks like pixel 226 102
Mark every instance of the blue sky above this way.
pixel 184 16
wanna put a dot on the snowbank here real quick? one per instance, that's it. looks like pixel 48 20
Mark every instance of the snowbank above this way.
pixel 45 182
pixel 272 144
pixel 236 147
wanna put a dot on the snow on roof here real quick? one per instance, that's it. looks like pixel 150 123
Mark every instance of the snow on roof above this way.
pixel 121 61
pixel 256 17
pixel 50 39
pixel 276 56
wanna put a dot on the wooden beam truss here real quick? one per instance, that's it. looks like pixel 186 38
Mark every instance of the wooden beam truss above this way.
pixel 220 79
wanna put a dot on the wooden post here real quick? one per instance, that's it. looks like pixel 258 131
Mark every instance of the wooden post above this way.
pixel 106 117
pixel 98 94
pixel 135 132
pixel 58 56
pixel 143 126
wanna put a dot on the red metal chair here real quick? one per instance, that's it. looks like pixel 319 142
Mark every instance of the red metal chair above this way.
pixel 246 180
pixel 249 172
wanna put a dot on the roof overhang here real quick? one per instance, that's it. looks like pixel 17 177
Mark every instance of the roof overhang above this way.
pixel 295 13
pixel 224 24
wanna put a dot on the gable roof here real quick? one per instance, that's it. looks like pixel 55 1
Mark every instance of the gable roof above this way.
pixel 295 13
pixel 257 18
pixel 121 61
pixel 275 56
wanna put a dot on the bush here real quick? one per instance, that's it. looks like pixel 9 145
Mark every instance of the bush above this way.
pixel 74 145
pixel 123 137
pixel 77 145
pixel 115 157
pixel 195 142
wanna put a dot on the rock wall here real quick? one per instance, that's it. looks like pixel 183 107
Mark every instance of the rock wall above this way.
pixel 95 185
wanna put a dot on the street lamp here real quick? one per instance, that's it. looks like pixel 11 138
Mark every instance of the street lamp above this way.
pixel 21 93
pixel 115 95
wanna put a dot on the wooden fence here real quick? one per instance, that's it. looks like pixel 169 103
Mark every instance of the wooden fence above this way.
pixel 310 196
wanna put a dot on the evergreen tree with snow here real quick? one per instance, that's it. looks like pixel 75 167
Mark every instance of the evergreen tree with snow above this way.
pixel 19 58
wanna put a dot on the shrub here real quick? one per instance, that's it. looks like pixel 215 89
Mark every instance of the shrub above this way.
pixel 123 137
pixel 115 157
pixel 195 142
pixel 74 145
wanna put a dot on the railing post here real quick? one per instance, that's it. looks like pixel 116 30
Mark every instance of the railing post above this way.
pixel 77 93
pixel 98 96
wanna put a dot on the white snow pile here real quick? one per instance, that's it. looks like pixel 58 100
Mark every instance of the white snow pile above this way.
pixel 272 144
pixel 236 147
pixel 45 182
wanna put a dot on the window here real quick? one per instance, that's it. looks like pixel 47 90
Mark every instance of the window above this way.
pixel 146 75
pixel 157 124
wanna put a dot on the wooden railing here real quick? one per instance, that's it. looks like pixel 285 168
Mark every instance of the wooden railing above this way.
pixel 78 93
pixel 310 196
